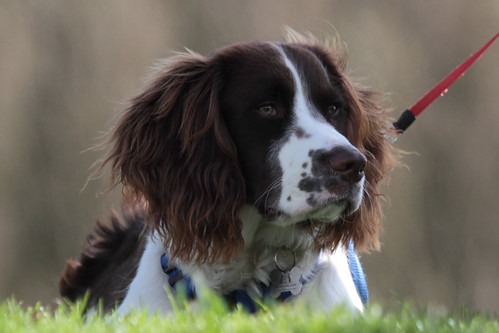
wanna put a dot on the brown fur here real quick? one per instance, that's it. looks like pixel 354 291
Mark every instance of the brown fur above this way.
pixel 108 261
pixel 171 147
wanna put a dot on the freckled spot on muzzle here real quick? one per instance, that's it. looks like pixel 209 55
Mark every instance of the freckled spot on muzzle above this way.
pixel 312 201
pixel 310 184
pixel 300 133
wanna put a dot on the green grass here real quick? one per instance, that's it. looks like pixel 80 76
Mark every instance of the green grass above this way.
pixel 212 316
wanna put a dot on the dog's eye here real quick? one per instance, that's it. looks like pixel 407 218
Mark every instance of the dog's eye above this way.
pixel 333 110
pixel 268 111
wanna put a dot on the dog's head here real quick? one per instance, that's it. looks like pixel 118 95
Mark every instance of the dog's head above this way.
pixel 278 126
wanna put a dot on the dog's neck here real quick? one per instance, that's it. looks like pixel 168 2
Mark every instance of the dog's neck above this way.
pixel 259 232
pixel 253 266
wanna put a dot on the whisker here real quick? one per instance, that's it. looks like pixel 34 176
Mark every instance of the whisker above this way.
pixel 265 195
pixel 368 186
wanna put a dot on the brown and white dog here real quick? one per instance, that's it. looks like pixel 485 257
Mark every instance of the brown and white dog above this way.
pixel 261 157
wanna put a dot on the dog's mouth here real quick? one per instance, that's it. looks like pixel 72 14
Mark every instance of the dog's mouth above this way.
pixel 326 212
pixel 272 214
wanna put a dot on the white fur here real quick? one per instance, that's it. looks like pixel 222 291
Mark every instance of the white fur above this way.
pixel 148 288
pixel 333 285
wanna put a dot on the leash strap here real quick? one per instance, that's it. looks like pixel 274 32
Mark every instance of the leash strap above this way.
pixel 409 115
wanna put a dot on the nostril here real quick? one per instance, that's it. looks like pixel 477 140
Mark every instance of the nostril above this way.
pixel 348 163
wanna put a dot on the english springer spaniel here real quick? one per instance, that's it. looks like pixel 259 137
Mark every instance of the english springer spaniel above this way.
pixel 250 171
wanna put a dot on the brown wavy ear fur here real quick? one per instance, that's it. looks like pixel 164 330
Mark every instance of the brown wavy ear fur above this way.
pixel 171 148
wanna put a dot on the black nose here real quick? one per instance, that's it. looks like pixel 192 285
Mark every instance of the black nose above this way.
pixel 348 163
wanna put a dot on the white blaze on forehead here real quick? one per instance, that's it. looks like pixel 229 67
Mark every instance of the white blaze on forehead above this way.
pixel 308 132
pixel 307 117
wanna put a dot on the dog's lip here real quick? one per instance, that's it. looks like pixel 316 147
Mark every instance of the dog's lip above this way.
pixel 272 214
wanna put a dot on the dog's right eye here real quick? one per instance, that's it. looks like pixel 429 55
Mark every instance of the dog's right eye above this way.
pixel 268 111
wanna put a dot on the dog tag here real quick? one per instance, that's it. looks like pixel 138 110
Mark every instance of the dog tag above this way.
pixel 286 281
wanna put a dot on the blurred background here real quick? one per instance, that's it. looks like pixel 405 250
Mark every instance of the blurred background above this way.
pixel 67 67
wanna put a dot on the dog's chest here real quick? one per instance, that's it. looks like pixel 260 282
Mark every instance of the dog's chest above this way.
pixel 271 253
pixel 278 268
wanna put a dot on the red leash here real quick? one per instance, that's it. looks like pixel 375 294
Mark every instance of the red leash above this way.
pixel 409 115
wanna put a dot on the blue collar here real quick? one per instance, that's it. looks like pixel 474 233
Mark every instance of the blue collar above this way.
pixel 177 280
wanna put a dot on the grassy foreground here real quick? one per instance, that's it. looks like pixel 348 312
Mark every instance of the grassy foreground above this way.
pixel 213 317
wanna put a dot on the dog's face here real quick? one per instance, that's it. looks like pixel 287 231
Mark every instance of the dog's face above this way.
pixel 286 111
pixel 275 125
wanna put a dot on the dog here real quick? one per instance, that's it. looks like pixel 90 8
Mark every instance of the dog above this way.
pixel 251 171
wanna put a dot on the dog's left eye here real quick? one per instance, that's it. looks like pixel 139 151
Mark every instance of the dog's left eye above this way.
pixel 333 110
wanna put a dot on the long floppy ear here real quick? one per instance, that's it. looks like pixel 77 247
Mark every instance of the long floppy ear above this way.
pixel 171 148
